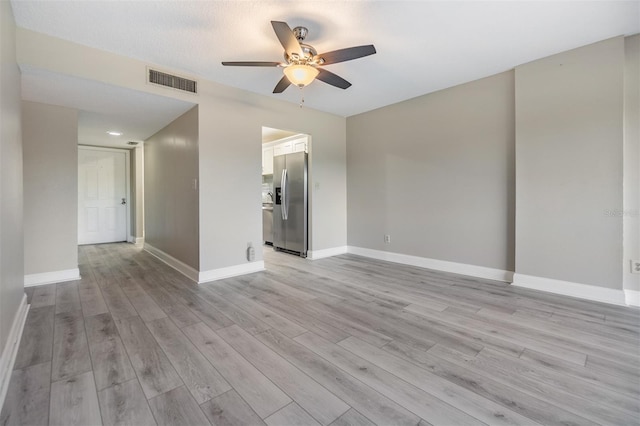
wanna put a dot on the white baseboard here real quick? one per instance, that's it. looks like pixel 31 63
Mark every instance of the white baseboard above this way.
pixel 438 265
pixel 320 254
pixel 568 288
pixel 176 264
pixel 136 240
pixel 204 276
pixel 230 271
pixel 11 347
pixel 51 277
pixel 632 297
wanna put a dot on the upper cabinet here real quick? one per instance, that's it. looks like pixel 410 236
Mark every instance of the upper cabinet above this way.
pixel 267 160
pixel 282 149
pixel 297 143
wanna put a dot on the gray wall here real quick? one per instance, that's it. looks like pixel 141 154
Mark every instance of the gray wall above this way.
pixel 171 202
pixel 137 191
pixel 132 199
pixel 569 115
pixel 631 202
pixel 11 222
pixel 230 171
pixel 229 127
pixel 230 133
pixel 50 149
pixel 436 174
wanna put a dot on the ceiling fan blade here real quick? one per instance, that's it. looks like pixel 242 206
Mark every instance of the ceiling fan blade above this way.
pixel 251 64
pixel 282 85
pixel 347 54
pixel 287 39
pixel 332 79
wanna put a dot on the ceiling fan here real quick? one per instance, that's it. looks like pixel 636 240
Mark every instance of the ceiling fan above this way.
pixel 302 63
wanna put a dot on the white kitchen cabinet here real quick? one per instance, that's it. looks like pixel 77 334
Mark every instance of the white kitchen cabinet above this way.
pixel 283 148
pixel 267 161
pixel 300 145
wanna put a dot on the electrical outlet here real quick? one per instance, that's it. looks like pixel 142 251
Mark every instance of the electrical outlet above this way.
pixel 387 239
pixel 635 266
pixel 251 253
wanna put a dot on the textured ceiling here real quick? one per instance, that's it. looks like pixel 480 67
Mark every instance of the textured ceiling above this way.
pixel 423 46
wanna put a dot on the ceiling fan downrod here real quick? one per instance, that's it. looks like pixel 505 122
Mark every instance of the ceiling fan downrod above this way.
pixel 300 33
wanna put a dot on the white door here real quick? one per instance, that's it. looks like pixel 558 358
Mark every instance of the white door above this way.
pixel 102 196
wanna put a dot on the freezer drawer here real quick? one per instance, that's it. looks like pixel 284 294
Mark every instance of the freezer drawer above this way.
pixel 267 224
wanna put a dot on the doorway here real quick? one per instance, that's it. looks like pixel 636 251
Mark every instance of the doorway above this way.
pixel 103 195
pixel 286 195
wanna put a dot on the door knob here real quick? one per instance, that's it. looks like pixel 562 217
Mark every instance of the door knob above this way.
pixel 123 201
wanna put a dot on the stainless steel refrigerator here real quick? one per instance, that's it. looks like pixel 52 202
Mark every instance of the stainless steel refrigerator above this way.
pixel 290 207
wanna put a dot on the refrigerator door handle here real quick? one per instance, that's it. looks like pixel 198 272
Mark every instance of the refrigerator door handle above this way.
pixel 285 207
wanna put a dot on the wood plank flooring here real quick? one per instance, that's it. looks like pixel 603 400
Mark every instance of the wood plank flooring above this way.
pixel 339 341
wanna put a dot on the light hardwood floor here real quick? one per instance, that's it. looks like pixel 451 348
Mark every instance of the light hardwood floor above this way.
pixel 339 341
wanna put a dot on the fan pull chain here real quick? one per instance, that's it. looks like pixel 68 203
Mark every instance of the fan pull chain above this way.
pixel 301 97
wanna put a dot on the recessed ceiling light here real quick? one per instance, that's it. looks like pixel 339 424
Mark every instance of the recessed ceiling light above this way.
pixel 114 133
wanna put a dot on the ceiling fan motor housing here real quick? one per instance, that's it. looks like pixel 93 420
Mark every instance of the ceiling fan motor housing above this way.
pixel 309 58
pixel 309 52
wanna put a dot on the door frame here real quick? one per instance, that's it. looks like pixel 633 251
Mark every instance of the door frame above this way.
pixel 310 187
pixel 127 180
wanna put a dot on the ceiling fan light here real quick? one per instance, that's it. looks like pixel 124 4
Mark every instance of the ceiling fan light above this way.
pixel 300 75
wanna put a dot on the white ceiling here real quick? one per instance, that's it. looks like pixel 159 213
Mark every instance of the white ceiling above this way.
pixel 270 134
pixel 423 46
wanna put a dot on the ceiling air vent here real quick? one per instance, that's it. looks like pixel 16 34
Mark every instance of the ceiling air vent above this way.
pixel 173 81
